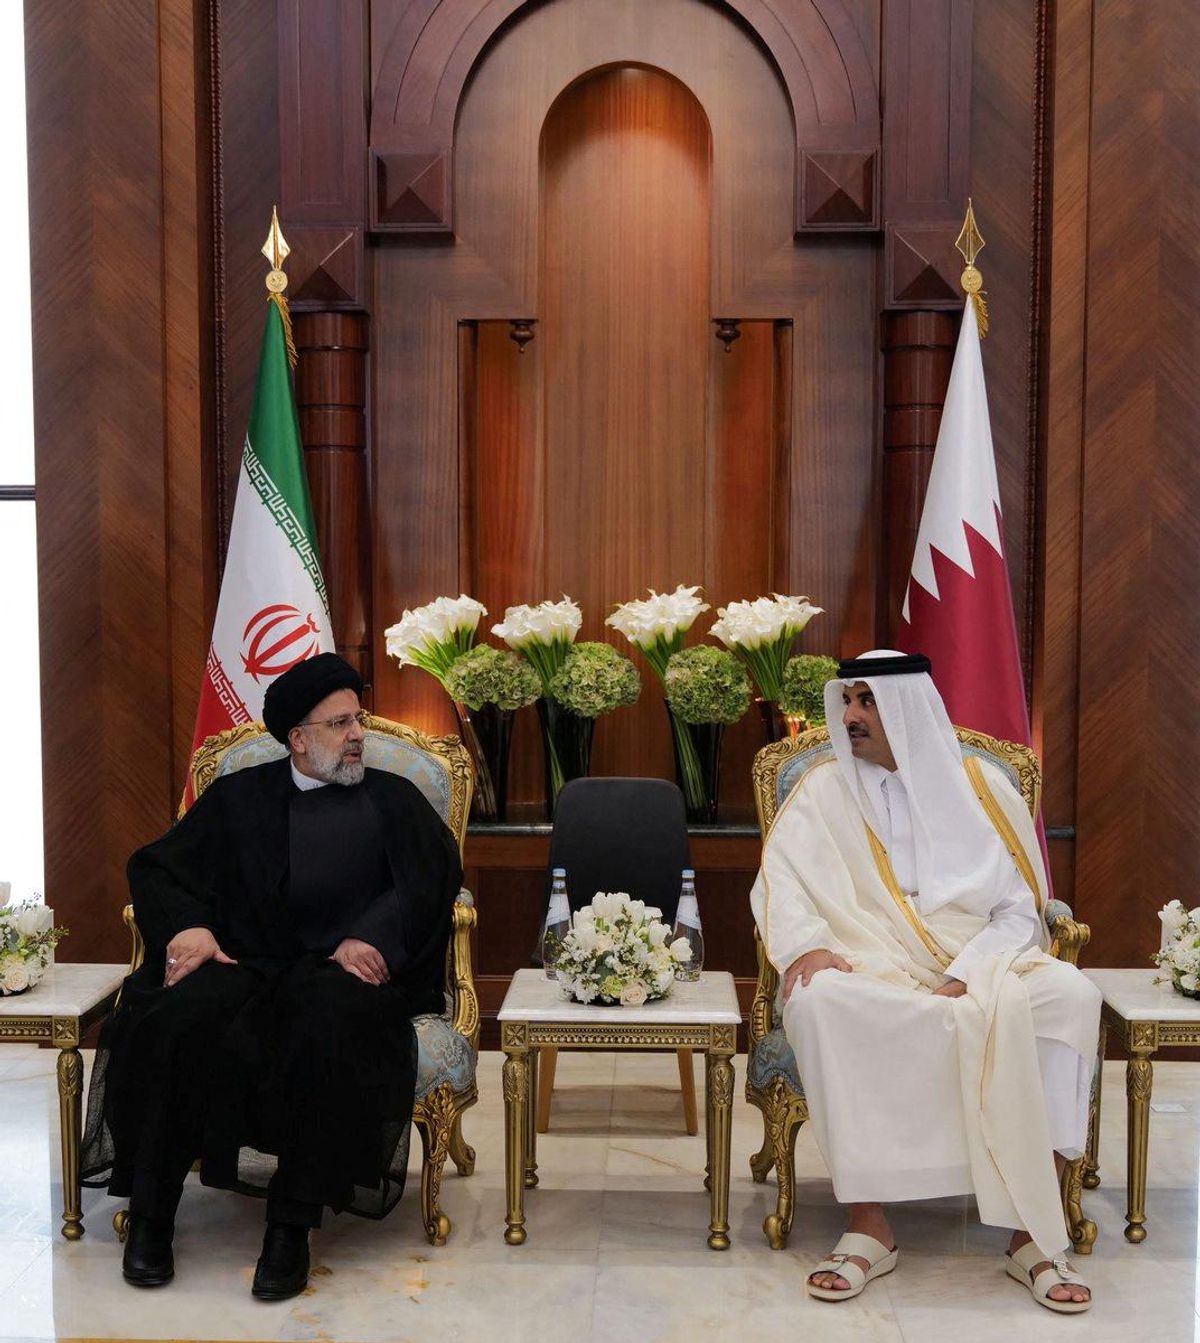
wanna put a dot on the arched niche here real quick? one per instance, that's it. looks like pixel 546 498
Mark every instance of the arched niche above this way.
pixel 431 47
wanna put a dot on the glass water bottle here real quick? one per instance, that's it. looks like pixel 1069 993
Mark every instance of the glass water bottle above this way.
pixel 558 921
pixel 687 926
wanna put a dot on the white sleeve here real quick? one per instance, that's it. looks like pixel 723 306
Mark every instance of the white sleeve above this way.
pixel 1013 925
pixel 787 922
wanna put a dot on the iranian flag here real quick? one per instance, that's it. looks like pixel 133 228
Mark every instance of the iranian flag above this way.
pixel 958 608
pixel 272 611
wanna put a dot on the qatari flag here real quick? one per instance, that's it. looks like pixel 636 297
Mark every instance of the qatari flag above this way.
pixel 958 607
pixel 272 611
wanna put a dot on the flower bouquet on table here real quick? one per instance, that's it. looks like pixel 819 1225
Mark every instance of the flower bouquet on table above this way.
pixel 707 689
pixel 1180 953
pixel 802 699
pixel 762 633
pixel 27 937
pixel 436 637
pixel 617 952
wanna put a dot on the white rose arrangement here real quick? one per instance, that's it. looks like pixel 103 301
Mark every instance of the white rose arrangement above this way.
pixel 27 937
pixel 435 636
pixel 617 952
pixel 1180 954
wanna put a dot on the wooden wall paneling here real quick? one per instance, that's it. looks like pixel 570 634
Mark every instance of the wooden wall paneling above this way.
pixel 323 148
pixel 188 358
pixel 331 390
pixel 625 326
pixel 245 188
pixel 927 53
pixel 1055 704
pixel 102 508
pixel 1138 826
pixel 505 484
pixel 918 351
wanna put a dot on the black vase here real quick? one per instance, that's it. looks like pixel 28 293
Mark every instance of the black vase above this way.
pixel 566 747
pixel 778 724
pixel 487 733
pixel 698 767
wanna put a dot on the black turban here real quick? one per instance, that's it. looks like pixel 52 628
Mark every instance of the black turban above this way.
pixel 290 697
pixel 903 664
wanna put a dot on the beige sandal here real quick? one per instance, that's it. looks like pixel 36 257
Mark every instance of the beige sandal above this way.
pixel 853 1243
pixel 1020 1266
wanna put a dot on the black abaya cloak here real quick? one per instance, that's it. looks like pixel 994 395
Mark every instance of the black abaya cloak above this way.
pixel 284 1055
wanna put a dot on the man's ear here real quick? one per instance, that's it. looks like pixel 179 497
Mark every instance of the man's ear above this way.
pixel 296 742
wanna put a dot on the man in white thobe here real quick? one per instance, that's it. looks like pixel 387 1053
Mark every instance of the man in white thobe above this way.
pixel 942 1050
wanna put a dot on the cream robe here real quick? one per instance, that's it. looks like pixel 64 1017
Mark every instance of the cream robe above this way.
pixel 911 1095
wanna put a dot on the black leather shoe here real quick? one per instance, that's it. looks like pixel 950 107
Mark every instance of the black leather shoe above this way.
pixel 148 1261
pixel 282 1269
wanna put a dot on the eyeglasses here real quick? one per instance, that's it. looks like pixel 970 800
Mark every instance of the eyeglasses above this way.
pixel 341 724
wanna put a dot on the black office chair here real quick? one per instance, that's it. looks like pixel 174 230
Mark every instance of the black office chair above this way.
pixel 620 835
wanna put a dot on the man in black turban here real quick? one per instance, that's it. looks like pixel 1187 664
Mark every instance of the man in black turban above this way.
pixel 295 920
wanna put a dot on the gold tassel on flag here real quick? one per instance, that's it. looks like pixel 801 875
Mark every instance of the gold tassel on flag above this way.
pixel 970 243
pixel 275 249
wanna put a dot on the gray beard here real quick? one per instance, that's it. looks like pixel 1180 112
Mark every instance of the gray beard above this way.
pixel 333 767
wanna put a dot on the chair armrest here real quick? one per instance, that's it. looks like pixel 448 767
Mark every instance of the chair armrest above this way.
pixel 762 1010
pixel 466 1001
pixel 137 952
pixel 1069 939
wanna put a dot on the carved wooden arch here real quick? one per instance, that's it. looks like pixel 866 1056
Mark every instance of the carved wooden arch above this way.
pixel 435 44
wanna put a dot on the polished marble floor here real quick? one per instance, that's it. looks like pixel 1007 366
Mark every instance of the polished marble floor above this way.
pixel 616 1247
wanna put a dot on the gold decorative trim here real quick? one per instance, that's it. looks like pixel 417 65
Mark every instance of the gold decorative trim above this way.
pixel 884 866
pixel 434 1116
pixel 629 1035
pixel 1069 940
pixel 1003 827
pixel 466 1001
pixel 34 1029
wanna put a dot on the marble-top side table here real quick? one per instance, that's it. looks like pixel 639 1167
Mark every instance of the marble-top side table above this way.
pixel 58 1012
pixel 700 1015
pixel 1149 1017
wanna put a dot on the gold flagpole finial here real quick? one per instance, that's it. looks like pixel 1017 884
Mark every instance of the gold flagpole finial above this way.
pixel 970 242
pixel 276 250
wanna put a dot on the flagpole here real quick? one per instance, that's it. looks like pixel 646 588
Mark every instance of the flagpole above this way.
pixel 970 242
pixel 276 250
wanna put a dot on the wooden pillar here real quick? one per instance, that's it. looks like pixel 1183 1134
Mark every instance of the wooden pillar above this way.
pixel 918 349
pixel 331 390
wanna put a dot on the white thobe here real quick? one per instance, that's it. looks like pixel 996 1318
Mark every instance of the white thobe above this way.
pixel 888 1067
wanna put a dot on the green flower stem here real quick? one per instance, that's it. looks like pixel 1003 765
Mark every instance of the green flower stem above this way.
pixel 546 659
pixel 659 652
pixel 689 762
pixel 766 663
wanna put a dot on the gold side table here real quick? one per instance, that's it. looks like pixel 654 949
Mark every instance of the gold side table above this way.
pixel 702 1015
pixel 1147 1017
pixel 58 1012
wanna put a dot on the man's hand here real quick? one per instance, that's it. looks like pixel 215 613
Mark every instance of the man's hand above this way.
pixel 188 950
pixel 809 964
pixel 952 988
pixel 361 959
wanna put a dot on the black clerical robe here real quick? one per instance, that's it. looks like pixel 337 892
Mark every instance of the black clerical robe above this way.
pixel 283 1072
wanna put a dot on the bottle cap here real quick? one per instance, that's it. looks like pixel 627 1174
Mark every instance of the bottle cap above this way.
pixel 689 874
pixel 558 871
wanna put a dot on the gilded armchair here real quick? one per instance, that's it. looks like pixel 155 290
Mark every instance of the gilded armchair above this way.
pixel 772 1077
pixel 447 1045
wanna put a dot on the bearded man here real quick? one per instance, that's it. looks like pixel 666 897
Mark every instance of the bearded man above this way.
pixel 295 920
pixel 943 1051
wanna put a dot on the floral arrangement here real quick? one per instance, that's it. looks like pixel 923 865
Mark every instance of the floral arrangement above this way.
pixel 1180 954
pixel 594 679
pixel 657 624
pixel 542 634
pixel 27 937
pixel 803 692
pixel 616 951
pixel 761 633
pixel 486 675
pixel 706 685
pixel 435 636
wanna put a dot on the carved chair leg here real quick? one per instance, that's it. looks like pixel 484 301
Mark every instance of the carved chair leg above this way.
pixel 434 1116
pixel 461 1151
pixel 1083 1231
pixel 784 1118
pixel 763 1161
pixel 1091 1161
